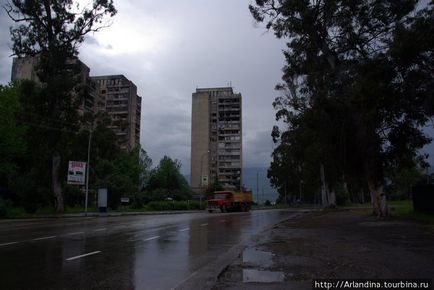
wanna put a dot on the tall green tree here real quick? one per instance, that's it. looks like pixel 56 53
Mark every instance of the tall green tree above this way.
pixel 12 143
pixel 346 64
pixel 167 177
pixel 52 30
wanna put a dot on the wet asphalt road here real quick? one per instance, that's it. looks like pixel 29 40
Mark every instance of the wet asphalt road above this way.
pixel 126 252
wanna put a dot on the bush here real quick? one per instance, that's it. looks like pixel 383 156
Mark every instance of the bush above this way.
pixel 138 200
pixel 73 196
pixel 5 206
pixel 173 205
pixel 32 195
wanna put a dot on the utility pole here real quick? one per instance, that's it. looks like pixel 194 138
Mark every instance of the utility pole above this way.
pixel 257 187
pixel 87 172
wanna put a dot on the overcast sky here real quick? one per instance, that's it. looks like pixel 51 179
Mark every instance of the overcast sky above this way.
pixel 168 49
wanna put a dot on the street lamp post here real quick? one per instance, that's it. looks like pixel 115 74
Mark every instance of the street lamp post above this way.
pixel 87 172
pixel 201 178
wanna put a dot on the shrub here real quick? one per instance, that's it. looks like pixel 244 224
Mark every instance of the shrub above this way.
pixel 73 196
pixel 5 206
pixel 138 199
pixel 173 205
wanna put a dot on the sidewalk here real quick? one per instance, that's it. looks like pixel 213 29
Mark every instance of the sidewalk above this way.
pixel 346 244
pixel 98 214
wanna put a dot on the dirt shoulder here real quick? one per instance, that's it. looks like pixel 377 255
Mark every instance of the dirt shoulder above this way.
pixel 339 244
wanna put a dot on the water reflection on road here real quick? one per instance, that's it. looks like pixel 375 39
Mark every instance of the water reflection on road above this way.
pixel 138 252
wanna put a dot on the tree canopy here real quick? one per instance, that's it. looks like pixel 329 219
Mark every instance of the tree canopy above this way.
pixel 12 142
pixel 51 31
pixel 357 89
pixel 167 179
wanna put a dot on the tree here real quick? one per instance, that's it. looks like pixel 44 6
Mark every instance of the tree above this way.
pixel 347 65
pixel 52 31
pixel 12 143
pixel 167 177
pixel 145 163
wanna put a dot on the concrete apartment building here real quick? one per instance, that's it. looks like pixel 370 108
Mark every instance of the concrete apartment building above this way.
pixel 216 138
pixel 25 69
pixel 118 97
pixel 113 94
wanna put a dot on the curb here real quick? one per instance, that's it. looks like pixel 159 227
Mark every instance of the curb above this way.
pixel 98 214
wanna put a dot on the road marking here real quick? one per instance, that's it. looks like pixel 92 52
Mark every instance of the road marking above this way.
pixel 76 233
pixel 151 238
pixel 7 244
pixel 183 230
pixel 99 230
pixel 203 225
pixel 44 238
pixel 185 280
pixel 84 255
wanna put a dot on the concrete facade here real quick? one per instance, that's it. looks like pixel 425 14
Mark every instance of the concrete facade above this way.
pixel 119 99
pixel 113 94
pixel 216 138
pixel 26 69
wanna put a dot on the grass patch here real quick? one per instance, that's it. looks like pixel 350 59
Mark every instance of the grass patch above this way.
pixel 404 209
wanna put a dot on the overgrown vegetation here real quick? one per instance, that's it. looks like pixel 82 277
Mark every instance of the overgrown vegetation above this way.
pixel 41 128
pixel 404 209
pixel 357 89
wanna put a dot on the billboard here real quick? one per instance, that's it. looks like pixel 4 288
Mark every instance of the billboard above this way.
pixel 77 172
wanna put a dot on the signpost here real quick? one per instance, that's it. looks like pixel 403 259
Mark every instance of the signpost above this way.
pixel 76 172
pixel 204 180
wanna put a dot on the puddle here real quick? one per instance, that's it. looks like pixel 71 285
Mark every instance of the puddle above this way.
pixel 251 276
pixel 256 257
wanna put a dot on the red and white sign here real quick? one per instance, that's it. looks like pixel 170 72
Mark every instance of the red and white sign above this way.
pixel 77 172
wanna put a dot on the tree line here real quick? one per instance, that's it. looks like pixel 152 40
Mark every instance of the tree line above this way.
pixel 41 128
pixel 358 85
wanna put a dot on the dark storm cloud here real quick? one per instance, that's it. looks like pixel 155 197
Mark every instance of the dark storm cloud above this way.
pixel 199 44
pixel 5 46
pixel 168 49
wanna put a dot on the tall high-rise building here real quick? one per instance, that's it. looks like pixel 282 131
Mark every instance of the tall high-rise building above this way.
pixel 118 97
pixel 25 68
pixel 113 94
pixel 216 138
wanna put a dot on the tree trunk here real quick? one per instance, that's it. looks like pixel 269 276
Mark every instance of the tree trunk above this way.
pixel 332 198
pixel 345 189
pixel 378 199
pixel 55 182
pixel 324 193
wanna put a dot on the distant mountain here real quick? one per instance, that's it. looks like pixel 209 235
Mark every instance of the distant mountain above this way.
pixel 249 181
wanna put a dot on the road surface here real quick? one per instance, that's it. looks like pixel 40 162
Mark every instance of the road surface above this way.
pixel 126 252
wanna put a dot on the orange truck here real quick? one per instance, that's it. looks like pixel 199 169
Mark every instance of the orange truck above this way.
pixel 230 201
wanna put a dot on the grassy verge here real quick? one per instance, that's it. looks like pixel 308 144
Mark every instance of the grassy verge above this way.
pixel 404 209
pixel 19 212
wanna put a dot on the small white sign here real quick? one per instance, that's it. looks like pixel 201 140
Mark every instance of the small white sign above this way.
pixel 102 197
pixel 204 180
pixel 77 172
